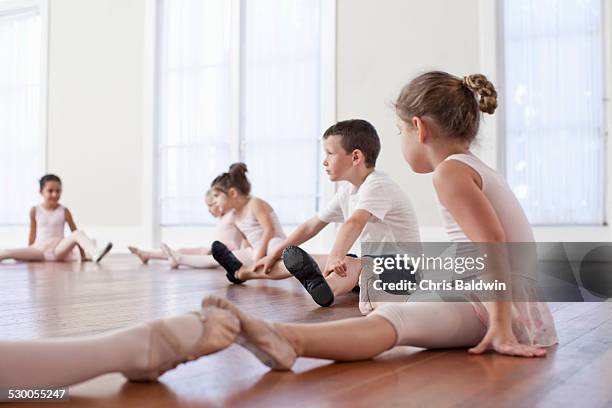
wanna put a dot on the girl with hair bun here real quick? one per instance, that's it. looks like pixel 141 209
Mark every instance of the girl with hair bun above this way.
pixel 225 232
pixel 254 218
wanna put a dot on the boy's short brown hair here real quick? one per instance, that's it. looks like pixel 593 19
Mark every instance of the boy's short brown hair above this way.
pixel 357 134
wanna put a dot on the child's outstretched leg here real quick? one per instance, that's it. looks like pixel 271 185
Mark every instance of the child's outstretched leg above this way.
pixel 307 270
pixel 276 272
pixel 78 237
pixel 339 285
pixel 145 256
pixel 419 324
pixel 141 353
pixel 29 254
pixel 177 258
pixel 278 345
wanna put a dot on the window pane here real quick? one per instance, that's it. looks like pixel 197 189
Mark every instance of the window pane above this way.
pixel 554 105
pixel 280 103
pixel 20 164
pixel 193 111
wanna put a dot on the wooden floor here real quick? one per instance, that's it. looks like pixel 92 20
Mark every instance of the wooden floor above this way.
pixel 46 300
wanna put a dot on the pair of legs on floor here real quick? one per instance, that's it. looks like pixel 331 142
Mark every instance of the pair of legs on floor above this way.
pixel 239 265
pixel 61 252
pixel 338 284
pixel 192 257
pixel 147 350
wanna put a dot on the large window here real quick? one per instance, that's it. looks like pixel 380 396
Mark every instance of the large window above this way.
pixel 554 103
pixel 20 109
pixel 238 80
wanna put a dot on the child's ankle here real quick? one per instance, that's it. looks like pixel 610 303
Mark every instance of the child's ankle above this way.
pixel 242 274
pixel 288 333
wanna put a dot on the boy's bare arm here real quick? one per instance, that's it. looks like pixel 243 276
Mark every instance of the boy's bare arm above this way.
pixel 346 237
pixel 303 233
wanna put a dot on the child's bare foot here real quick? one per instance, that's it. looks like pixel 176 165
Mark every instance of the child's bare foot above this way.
pixel 143 258
pixel 258 336
pixel 171 255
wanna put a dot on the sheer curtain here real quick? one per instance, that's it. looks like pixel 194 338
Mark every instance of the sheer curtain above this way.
pixel 275 95
pixel 280 103
pixel 20 137
pixel 554 103
pixel 193 105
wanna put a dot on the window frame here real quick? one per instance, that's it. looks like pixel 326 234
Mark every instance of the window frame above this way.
pixel 327 104
pixel 8 7
pixel 496 9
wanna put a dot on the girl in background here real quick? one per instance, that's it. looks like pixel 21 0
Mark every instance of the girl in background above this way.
pixel 254 217
pixel 47 241
pixel 226 232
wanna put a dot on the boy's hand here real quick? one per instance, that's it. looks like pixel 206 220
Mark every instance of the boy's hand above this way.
pixel 335 264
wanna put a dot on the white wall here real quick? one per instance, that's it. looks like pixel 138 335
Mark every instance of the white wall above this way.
pixel 95 107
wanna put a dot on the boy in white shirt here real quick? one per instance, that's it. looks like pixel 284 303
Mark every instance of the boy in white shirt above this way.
pixel 371 206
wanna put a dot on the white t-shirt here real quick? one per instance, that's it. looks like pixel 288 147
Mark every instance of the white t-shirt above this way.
pixel 393 218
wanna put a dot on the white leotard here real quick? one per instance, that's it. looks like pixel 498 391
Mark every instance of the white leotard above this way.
pixel 252 229
pixel 49 225
pixel 508 209
pixel 227 231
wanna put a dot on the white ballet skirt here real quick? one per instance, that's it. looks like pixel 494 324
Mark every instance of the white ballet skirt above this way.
pixel 50 231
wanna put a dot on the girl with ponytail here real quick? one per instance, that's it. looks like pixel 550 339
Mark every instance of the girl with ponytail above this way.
pixel 254 218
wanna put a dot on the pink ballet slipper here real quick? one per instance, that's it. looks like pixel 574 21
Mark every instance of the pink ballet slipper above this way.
pixel 258 336
pixel 219 330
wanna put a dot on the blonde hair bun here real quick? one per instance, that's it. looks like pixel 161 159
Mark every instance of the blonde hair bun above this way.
pixel 479 84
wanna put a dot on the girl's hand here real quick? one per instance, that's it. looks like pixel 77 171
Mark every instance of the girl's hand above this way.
pixel 260 256
pixel 334 264
pixel 266 263
pixel 504 342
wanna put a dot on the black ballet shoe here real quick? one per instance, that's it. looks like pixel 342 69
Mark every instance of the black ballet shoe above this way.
pixel 227 260
pixel 305 269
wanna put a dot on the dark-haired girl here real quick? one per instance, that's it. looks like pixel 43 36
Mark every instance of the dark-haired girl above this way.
pixel 47 241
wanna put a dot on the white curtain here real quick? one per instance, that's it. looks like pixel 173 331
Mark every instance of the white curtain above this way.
pixel 280 126
pixel 20 137
pixel 278 103
pixel 554 105
pixel 193 105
